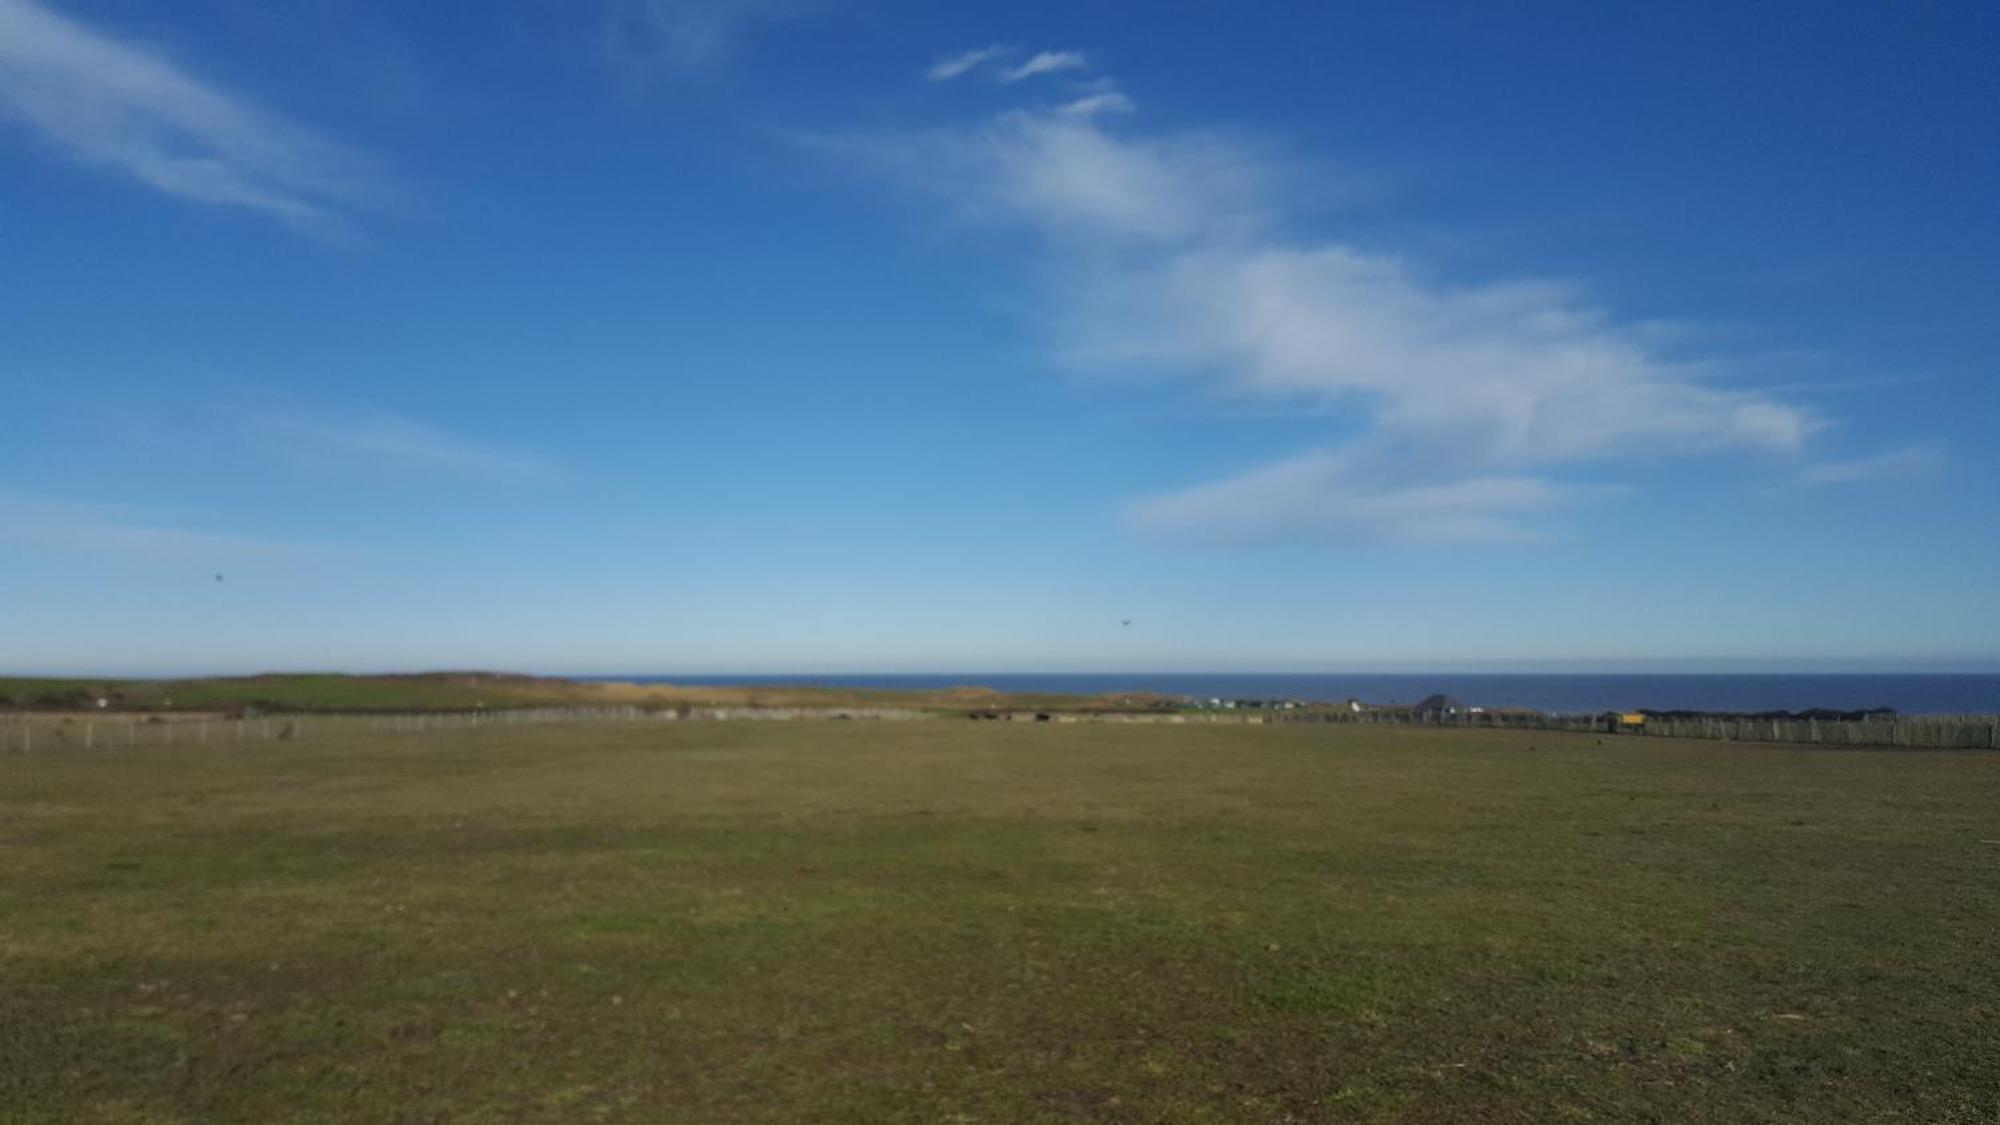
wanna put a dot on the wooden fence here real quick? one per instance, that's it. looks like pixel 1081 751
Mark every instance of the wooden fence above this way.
pixel 31 732
pixel 22 733
pixel 1928 732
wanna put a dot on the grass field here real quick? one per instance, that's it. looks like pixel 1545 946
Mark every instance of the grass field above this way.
pixel 945 921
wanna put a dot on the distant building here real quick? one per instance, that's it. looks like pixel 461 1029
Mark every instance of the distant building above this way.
pixel 1440 705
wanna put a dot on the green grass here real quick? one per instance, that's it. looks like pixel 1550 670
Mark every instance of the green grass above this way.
pixel 291 692
pixel 473 691
pixel 952 921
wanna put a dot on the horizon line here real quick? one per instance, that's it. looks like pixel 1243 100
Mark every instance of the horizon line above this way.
pixel 1667 667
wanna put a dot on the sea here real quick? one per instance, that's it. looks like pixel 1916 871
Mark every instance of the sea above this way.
pixel 1908 693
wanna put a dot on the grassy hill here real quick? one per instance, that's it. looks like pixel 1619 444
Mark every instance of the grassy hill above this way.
pixel 294 692
pixel 466 691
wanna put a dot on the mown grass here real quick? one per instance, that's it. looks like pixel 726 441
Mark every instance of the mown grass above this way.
pixel 951 921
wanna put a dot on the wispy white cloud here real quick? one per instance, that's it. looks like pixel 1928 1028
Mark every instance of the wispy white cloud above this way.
pixel 1046 62
pixel 1176 252
pixel 121 106
pixel 1899 464
pixel 1067 178
pixel 123 531
pixel 1512 373
pixel 1103 101
pixel 951 66
pixel 380 444
pixel 1325 493
pixel 689 35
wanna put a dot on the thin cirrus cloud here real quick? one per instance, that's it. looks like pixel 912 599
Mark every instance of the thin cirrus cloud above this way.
pixel 120 106
pixel 1046 62
pixel 687 35
pixel 1318 493
pixel 1092 96
pixel 1104 101
pixel 1484 406
pixel 989 58
pixel 347 445
pixel 951 66
pixel 377 444
pixel 1897 464
pixel 123 531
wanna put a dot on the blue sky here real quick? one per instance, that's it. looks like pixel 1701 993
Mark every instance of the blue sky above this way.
pixel 811 335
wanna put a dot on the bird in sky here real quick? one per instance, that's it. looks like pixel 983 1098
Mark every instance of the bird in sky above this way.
pixel 218 577
pixel 1125 621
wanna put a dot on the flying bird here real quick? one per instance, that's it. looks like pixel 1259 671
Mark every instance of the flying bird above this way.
pixel 218 578
pixel 1125 621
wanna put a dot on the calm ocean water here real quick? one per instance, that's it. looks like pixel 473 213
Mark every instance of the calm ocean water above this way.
pixel 1909 694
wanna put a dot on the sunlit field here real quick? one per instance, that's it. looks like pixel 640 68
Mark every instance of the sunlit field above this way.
pixel 946 921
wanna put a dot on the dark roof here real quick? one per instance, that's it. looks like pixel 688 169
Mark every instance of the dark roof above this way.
pixel 1440 702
